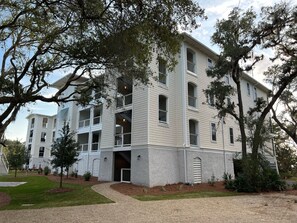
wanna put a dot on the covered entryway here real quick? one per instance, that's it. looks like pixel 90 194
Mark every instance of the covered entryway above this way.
pixel 197 170
pixel 122 165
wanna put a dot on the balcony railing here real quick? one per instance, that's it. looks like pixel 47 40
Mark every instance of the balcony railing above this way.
pixel 95 146
pixel 84 147
pixel 125 100
pixel 96 120
pixel 84 123
pixel 122 140
pixel 125 175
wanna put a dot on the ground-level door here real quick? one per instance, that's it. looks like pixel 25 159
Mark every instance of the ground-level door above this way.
pixel 122 166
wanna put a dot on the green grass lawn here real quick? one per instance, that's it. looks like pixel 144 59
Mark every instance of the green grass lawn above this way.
pixel 35 192
pixel 185 195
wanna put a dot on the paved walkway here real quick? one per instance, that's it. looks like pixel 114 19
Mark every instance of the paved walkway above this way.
pixel 105 190
pixel 11 184
pixel 238 209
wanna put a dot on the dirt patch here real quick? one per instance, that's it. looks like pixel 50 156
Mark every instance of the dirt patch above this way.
pixel 131 190
pixel 4 199
pixel 73 180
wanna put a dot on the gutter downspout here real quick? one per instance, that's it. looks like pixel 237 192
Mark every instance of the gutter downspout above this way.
pixel 184 124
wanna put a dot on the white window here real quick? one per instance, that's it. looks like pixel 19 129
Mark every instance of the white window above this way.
pixel 229 102
pixel 227 80
pixel 43 137
pixel 248 89
pixel 231 135
pixel 162 109
pixel 190 60
pixel 211 99
pixel 255 93
pixel 32 123
pixel 44 122
pixel 162 72
pixel 213 132
pixel 41 151
pixel 192 95
pixel 209 63
pixel 193 130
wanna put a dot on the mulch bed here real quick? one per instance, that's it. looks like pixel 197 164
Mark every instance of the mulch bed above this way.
pixel 131 190
pixel 4 199
pixel 73 180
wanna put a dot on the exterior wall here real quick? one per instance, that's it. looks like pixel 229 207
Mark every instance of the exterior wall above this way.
pixel 35 141
pixel 161 152
pixel 106 165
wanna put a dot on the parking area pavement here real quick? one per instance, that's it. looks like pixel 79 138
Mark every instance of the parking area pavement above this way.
pixel 247 208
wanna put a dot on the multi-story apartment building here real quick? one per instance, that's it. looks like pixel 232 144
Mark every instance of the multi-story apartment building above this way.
pixel 40 135
pixel 163 133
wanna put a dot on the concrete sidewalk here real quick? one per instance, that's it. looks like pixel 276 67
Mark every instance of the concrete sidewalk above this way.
pixel 238 209
pixel 105 190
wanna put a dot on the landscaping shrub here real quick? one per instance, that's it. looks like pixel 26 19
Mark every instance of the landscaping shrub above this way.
pixel 228 181
pixel 256 176
pixel 46 170
pixel 87 176
pixel 74 174
pixel 294 186
pixel 212 180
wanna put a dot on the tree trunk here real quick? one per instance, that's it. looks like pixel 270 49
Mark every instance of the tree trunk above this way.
pixel 241 120
pixel 61 177
pixel 15 172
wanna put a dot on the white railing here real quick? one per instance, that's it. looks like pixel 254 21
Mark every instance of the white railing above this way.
pixel 84 147
pixel 123 139
pixel 84 123
pixel 4 161
pixel 95 146
pixel 124 100
pixel 125 175
pixel 96 120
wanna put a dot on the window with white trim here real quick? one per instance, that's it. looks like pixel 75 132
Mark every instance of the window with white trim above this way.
pixel 162 72
pixel 231 135
pixel 248 89
pixel 193 131
pixel 41 151
pixel 43 137
pixel 163 109
pixel 192 95
pixel 211 100
pixel 190 60
pixel 213 132
pixel 209 63
pixel 255 93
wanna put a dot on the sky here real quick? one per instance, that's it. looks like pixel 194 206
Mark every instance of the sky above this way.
pixel 214 9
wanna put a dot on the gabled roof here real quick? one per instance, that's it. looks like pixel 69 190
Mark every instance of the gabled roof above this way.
pixel 62 81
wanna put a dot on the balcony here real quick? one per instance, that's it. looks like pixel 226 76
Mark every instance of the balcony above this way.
pixel 83 147
pixel 124 100
pixel 95 146
pixel 122 140
pixel 84 123
pixel 97 120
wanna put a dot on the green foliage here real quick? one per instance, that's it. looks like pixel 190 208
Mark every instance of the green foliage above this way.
pixel 37 192
pixel 17 155
pixel 294 186
pixel 228 181
pixel 212 180
pixel 64 150
pixel 87 175
pixel 46 170
pixel 257 176
pixel 87 37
